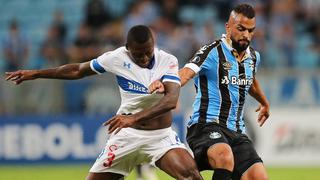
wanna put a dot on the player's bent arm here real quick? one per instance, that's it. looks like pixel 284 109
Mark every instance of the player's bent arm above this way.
pixel 257 92
pixel 166 103
pixel 185 75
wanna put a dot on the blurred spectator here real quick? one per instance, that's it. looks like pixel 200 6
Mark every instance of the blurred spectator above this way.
pixel 316 43
pixel 142 12
pixel 16 51
pixel 206 34
pixel 223 7
pixel 169 10
pixel 52 49
pixel 85 46
pixel 259 42
pixel 112 35
pixel 183 42
pixel 119 8
pixel 163 29
pixel 15 48
pixel 311 8
pixel 96 14
pixel 60 26
pixel 316 38
pixel 281 23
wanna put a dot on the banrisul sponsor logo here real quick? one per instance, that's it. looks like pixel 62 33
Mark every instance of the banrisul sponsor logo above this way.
pixel 239 81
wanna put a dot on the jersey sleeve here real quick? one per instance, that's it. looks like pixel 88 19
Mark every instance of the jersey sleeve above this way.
pixel 103 63
pixel 258 60
pixel 171 74
pixel 201 59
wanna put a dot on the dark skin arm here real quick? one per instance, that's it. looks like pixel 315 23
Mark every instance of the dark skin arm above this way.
pixel 256 92
pixel 68 71
pixel 185 75
pixel 166 103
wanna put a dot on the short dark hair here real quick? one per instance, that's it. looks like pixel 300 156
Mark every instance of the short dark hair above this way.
pixel 139 34
pixel 245 9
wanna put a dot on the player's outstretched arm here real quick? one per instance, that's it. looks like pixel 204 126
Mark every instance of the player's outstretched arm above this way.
pixel 167 103
pixel 68 71
pixel 256 92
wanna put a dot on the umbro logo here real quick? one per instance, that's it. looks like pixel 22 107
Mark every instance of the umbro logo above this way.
pixel 214 135
pixel 227 65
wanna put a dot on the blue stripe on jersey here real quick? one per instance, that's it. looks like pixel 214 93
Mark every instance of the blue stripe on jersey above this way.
pixel 97 66
pixel 131 86
pixel 170 77
pixel 234 93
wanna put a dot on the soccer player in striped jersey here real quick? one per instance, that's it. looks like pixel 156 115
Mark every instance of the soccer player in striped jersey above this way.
pixel 224 73
pixel 140 132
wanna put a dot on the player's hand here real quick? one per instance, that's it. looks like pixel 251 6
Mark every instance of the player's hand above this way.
pixel 263 114
pixel 18 77
pixel 116 123
pixel 156 87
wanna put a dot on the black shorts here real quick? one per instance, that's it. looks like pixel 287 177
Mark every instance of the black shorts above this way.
pixel 201 136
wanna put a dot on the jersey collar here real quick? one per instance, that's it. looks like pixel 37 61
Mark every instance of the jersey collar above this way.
pixel 233 51
pixel 151 64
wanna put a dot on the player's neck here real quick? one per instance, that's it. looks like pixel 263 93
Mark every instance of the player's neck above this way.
pixel 238 55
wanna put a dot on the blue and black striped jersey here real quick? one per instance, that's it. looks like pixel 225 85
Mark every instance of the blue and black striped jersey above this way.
pixel 222 84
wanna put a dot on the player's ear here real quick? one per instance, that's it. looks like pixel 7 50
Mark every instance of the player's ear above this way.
pixel 227 25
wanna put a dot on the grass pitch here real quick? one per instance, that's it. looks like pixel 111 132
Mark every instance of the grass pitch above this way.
pixel 78 172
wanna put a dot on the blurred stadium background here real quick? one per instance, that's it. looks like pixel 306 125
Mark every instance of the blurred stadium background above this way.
pixel 51 129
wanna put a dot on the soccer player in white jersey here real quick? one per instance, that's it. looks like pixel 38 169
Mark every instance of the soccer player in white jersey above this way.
pixel 140 132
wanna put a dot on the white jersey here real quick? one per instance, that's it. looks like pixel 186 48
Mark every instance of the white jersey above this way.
pixel 133 80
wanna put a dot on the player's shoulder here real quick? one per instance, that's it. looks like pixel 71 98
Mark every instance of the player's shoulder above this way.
pixel 121 51
pixel 214 43
pixel 210 46
pixel 254 53
pixel 114 55
pixel 165 56
pixel 207 50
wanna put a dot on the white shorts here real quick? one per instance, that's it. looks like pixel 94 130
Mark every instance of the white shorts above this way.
pixel 131 147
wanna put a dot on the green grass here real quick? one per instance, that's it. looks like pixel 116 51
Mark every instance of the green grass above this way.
pixel 78 172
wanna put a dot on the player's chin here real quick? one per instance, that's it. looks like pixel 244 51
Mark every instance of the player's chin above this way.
pixel 243 44
pixel 143 65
